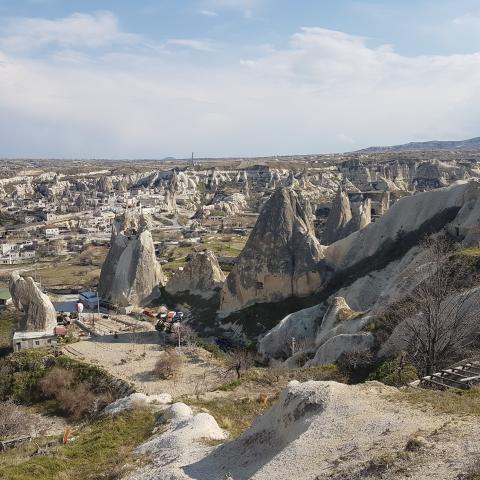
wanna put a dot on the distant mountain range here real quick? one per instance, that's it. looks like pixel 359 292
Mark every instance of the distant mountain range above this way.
pixel 465 145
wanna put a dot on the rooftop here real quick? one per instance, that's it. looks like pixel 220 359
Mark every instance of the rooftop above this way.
pixel 31 335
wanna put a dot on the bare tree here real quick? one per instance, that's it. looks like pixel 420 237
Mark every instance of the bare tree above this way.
pixel 239 360
pixel 441 315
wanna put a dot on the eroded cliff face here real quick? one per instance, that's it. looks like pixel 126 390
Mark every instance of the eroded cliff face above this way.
pixel 131 274
pixel 280 258
pixel 201 276
pixel 38 311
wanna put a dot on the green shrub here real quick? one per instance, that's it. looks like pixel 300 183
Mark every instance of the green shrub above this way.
pixel 395 373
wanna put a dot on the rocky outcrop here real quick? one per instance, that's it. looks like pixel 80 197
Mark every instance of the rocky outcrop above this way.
pixel 280 258
pixel 318 430
pixel 361 215
pixel 131 274
pixel 39 314
pixel 104 184
pixel 338 219
pixel 323 332
pixel 184 438
pixel 455 207
pixel 301 325
pixel 201 276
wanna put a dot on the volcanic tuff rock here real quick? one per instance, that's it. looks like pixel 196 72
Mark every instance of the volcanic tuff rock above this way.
pixel 38 311
pixel 320 430
pixel 201 276
pixel 339 217
pixel 323 332
pixel 280 258
pixel 131 273
pixel 455 207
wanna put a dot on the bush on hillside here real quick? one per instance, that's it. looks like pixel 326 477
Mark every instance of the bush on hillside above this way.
pixel 56 380
pixel 77 402
pixel 396 373
pixel 168 365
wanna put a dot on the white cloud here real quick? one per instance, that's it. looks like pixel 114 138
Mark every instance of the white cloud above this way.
pixel 75 31
pixel 246 7
pixel 467 20
pixel 200 45
pixel 208 13
pixel 325 91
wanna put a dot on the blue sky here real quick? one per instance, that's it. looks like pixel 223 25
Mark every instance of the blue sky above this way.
pixel 147 79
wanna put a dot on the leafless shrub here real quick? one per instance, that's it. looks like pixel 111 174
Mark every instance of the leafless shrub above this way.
pixel 12 420
pixel 239 360
pixel 56 380
pixel 77 401
pixel 351 362
pixel 168 365
pixel 185 332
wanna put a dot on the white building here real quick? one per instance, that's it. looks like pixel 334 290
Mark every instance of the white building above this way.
pixel 23 340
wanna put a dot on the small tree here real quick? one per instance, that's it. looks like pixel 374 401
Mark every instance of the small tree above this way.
pixel 441 316
pixel 239 360
pixel 182 331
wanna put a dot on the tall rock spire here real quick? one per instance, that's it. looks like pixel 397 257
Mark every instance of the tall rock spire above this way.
pixel 131 274
pixel 280 258
pixel 339 217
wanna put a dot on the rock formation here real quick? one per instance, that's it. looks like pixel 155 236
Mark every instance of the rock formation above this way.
pixel 361 215
pixel 39 314
pixel 338 219
pixel 323 332
pixel 317 430
pixel 280 258
pixel 104 184
pixel 131 273
pixel 455 207
pixel 201 276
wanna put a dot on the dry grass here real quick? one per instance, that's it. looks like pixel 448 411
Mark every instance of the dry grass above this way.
pixel 101 450
pixel 233 415
pixel 449 402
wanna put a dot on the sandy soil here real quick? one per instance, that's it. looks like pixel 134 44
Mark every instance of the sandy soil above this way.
pixel 132 357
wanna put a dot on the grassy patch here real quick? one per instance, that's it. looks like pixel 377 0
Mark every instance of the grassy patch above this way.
pixel 8 320
pixel 99 451
pixel 233 415
pixel 470 252
pixel 449 402
pixel 279 377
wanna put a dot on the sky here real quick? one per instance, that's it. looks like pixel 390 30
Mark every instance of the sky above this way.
pixel 154 79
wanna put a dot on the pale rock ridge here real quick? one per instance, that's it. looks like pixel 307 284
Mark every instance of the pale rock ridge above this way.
pixel 321 430
pixel 183 439
pixel 138 400
pixel 280 258
pixel 38 311
pixel 131 273
pixel 455 206
pixel 301 325
pixel 201 276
